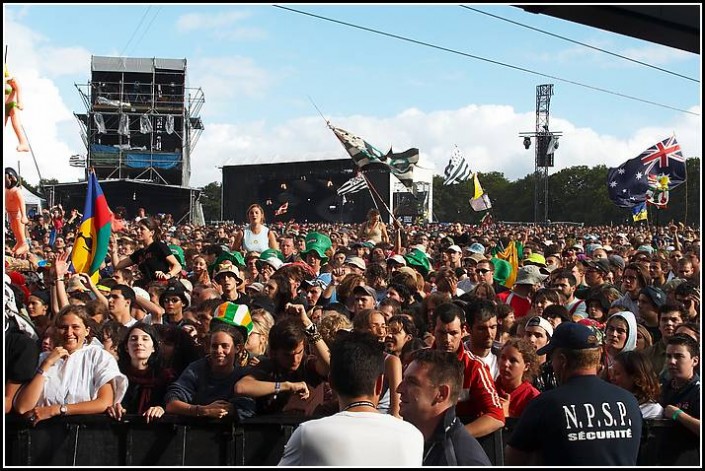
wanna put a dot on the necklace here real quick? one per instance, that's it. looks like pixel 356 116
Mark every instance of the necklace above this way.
pixel 359 404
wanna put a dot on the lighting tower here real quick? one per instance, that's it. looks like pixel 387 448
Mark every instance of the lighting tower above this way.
pixel 546 144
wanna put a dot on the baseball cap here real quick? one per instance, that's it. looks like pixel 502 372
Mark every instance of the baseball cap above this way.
pixel 617 261
pixel 356 262
pixel 478 257
pixel 256 287
pixel 571 336
pixel 656 295
pixel 601 264
pixel 454 248
pixel 538 321
pixel 477 248
pixel 365 291
pixel 397 259
pixel 322 280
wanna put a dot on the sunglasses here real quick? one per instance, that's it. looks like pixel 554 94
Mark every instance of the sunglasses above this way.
pixel 172 300
pixel 482 271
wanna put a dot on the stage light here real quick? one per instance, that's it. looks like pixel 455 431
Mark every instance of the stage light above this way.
pixel 527 142
pixel 329 184
pixel 283 186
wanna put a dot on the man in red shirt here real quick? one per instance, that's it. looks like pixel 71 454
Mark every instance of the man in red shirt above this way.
pixel 529 279
pixel 479 403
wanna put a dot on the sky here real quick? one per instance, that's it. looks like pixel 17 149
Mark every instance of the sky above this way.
pixel 262 68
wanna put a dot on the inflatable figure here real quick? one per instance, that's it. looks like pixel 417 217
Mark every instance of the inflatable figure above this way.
pixel 13 105
pixel 15 207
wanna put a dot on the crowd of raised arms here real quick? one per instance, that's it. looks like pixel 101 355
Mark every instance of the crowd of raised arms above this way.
pixel 442 330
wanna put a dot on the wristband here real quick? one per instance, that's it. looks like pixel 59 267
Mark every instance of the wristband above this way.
pixel 40 371
pixel 277 388
pixel 676 414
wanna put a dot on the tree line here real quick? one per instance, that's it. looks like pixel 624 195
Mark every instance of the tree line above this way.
pixel 575 194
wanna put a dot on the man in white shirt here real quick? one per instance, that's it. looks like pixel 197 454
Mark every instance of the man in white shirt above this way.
pixel 358 435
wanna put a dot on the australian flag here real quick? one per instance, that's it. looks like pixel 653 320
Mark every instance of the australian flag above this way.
pixel 628 184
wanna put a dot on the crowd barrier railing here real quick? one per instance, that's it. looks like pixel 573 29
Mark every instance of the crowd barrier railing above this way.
pixel 97 440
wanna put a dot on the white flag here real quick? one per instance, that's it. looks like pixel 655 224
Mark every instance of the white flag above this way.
pixel 353 185
pixel 480 200
pixel 458 169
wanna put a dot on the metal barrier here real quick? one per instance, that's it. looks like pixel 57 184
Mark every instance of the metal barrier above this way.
pixel 180 441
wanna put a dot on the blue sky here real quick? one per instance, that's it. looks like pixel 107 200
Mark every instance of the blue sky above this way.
pixel 260 66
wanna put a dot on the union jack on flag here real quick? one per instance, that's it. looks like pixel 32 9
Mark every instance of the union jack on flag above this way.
pixel 629 183
pixel 661 153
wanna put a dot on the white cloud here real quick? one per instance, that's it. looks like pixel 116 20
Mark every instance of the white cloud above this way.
pixel 228 78
pixel 45 117
pixel 202 21
pixel 655 54
pixel 488 135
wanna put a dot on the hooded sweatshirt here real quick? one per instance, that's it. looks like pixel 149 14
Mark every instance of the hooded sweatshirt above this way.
pixel 630 343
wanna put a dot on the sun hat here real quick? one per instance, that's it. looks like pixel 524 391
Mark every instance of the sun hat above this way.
pixel 535 259
pixel 530 275
pixel 418 260
pixel 319 243
pixel 175 289
pixel 227 267
pixel 269 253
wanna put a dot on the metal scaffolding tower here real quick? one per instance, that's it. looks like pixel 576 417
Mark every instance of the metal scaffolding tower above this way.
pixel 546 143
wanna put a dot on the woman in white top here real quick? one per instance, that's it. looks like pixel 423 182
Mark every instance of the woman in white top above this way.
pixel 373 228
pixel 256 237
pixel 75 378
pixel 633 371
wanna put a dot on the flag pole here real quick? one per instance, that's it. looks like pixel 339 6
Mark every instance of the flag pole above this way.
pixel 319 112
pixel 373 189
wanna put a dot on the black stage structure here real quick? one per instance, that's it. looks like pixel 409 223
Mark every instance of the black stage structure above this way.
pixel 140 127
pixel 179 201
pixel 309 188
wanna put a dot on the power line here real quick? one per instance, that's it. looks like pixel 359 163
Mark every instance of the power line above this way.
pixel 148 26
pixel 581 44
pixel 135 31
pixel 453 51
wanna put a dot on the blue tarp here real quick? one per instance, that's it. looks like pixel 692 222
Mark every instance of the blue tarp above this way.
pixel 109 155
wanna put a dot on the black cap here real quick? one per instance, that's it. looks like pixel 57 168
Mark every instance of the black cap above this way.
pixel 571 336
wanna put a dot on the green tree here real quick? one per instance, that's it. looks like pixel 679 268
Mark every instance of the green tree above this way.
pixel 211 200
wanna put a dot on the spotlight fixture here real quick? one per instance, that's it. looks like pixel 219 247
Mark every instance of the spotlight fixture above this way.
pixel 329 184
pixel 527 142
pixel 555 145
pixel 283 186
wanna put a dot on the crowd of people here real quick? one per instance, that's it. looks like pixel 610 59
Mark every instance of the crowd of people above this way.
pixel 410 341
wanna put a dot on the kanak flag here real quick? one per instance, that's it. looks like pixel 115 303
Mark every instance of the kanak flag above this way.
pixel 92 238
